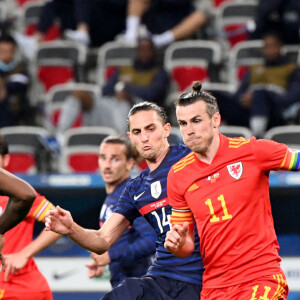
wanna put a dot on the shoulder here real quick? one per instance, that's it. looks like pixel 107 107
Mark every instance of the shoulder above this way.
pixel 183 164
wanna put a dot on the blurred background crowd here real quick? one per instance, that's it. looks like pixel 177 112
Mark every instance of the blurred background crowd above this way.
pixel 71 69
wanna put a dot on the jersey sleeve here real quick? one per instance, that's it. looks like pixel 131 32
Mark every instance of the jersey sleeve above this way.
pixel 142 246
pixel 180 210
pixel 125 205
pixel 40 207
pixel 271 155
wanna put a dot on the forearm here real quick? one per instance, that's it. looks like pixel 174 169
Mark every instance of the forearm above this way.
pixel 99 241
pixel 21 198
pixel 88 239
pixel 44 240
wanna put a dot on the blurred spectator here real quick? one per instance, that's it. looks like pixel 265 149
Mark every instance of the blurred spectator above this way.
pixel 145 79
pixel 282 16
pixel 101 111
pixel 166 20
pixel 265 91
pixel 14 81
pixel 91 22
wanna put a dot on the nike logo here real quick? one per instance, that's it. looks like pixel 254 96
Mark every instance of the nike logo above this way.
pixel 138 196
pixel 59 276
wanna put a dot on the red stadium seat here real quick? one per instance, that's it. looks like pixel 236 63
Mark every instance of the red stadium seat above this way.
pixel 236 33
pixel 83 162
pixel 185 75
pixel 52 34
pixel 21 163
pixel 22 2
pixel 53 75
pixel 217 3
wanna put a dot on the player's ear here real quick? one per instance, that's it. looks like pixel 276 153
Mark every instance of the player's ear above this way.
pixel 6 160
pixel 167 130
pixel 130 163
pixel 216 120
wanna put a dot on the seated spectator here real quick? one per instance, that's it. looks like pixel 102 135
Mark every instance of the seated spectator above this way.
pixel 282 16
pixel 90 22
pixel 14 81
pixel 145 79
pixel 166 20
pixel 265 91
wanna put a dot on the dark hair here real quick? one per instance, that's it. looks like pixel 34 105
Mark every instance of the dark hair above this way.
pixel 6 38
pixel 199 95
pixel 122 140
pixel 3 145
pixel 274 34
pixel 147 106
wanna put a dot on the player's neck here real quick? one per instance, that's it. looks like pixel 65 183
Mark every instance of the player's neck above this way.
pixel 111 186
pixel 208 155
pixel 153 164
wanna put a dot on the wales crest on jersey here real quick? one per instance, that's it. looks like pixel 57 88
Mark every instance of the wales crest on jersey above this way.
pixel 155 189
pixel 235 170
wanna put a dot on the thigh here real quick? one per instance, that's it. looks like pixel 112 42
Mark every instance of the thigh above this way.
pixel 268 287
pixel 158 288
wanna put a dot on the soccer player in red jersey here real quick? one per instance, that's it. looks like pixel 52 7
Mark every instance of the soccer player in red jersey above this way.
pixel 21 279
pixel 224 185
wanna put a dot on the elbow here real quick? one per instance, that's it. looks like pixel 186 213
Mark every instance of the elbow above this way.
pixel 28 196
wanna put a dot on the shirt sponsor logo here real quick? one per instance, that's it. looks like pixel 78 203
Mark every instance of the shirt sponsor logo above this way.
pixel 235 170
pixel 138 196
pixel 155 189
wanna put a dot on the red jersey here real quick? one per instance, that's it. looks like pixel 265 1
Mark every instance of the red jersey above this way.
pixel 229 200
pixel 21 235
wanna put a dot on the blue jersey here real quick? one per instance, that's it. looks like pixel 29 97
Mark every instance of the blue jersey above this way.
pixel 147 195
pixel 130 255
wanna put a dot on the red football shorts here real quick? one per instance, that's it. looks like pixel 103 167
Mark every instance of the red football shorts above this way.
pixel 272 287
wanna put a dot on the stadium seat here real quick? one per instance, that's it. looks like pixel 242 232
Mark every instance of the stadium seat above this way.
pixel 55 100
pixel 292 53
pixel 57 63
pixel 29 17
pixel 80 148
pixel 28 149
pixel 243 55
pixel 236 131
pixel 289 135
pixel 112 55
pixel 191 60
pixel 232 18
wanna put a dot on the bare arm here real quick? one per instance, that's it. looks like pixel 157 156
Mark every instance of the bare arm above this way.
pixel 21 196
pixel 180 240
pixel 16 261
pixel 100 241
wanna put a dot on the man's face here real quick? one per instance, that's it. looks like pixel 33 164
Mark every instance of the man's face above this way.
pixel 7 52
pixel 113 164
pixel 196 126
pixel 271 48
pixel 148 134
pixel 145 51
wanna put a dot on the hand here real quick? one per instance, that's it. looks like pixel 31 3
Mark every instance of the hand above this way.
pixel 94 270
pixel 14 263
pixel 1 256
pixel 176 237
pixel 102 259
pixel 59 220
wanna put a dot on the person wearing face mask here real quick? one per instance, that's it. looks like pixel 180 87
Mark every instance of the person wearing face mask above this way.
pixel 14 82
